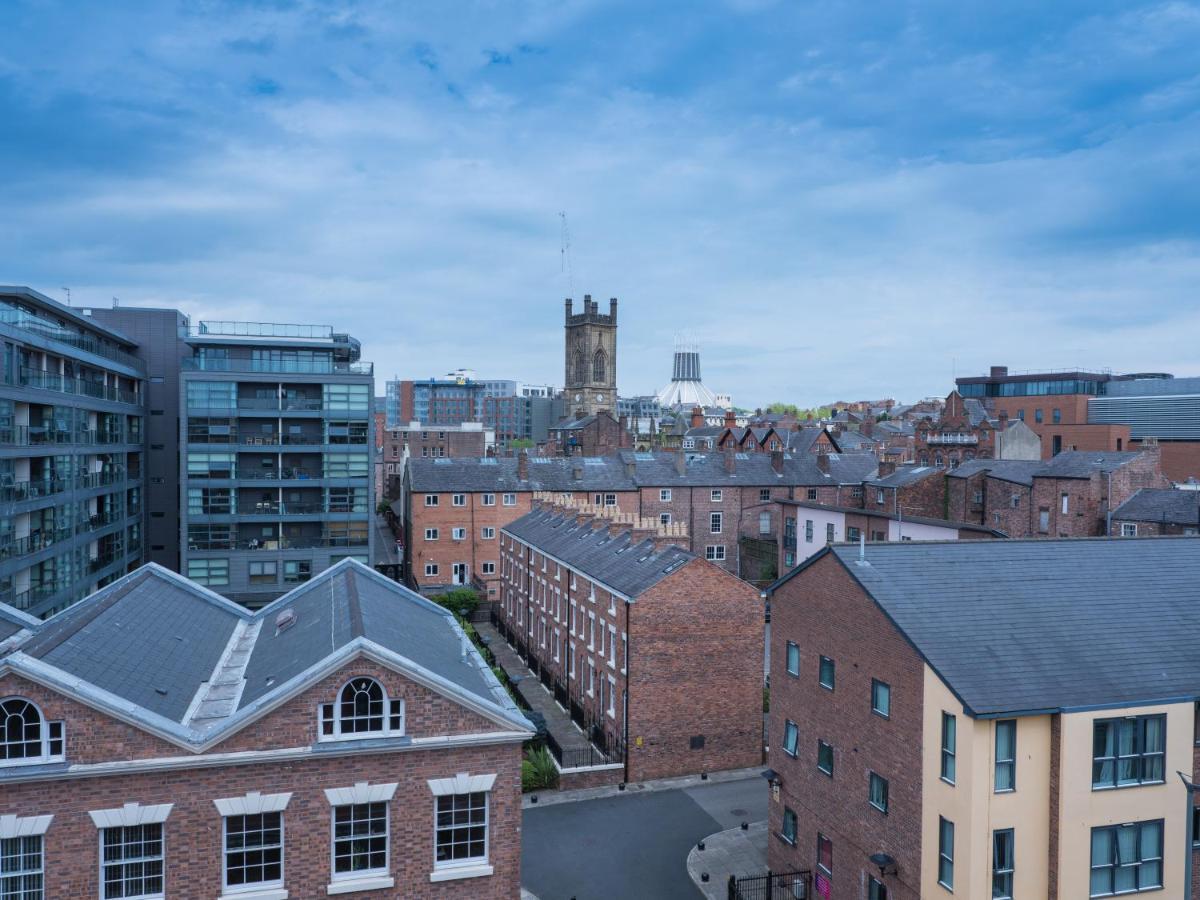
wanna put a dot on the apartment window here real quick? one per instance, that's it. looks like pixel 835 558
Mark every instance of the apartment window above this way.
pixel 363 708
pixel 1129 529
pixel 610 499
pixel 946 853
pixel 347 396
pixel 431 499
pixel 808 531
pixel 877 792
pixel 812 494
pixel 431 534
pixel 715 496
pixel 346 465
pixel 131 861
pixel 793 658
pixel 1127 859
pixel 852 533
pixel 254 851
pixel 1002 864
pixel 488 533
pixel 715 552
pixel 488 568
pixel 458 534
pixel 212 572
pixel 431 568
pixel 881 698
pixel 789 826
pixel 360 840
pixel 263 572
pixel 826 673
pixel 1066 503
pixel 829 533
pixel 664 495
pixel 488 500
pixel 509 499
pixel 612 646
pixel 876 889
pixel 462 829
pixel 25 736
pixel 458 499
pixel 296 571
pixel 715 522
pixel 1016 501
pixel 1006 755
pixel 825 758
pixel 664 518
pixel 1129 751
pixel 949 745
pixel 22 868
pixel 791 737
pixel 879 495
pixel 764 523
pixel 1056 416
pixel 764 495
pixel 824 854
pixel 1037 415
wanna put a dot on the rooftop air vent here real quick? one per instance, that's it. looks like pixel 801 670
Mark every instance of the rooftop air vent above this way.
pixel 285 620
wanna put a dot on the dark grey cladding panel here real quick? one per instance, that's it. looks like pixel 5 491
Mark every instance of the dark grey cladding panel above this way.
pixel 1028 625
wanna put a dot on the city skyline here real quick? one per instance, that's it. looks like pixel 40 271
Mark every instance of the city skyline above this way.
pixel 907 197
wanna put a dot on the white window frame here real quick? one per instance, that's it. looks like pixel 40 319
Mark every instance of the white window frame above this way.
pixel 487 568
pixel 664 495
pixel 15 828
pixel 488 500
pixel 253 804
pixel 360 794
pixel 431 570
pixel 1066 504
pixel 715 552
pixel 46 740
pixel 477 866
pixel 431 500
pixel 764 523
pixel 488 533
pixel 612 697
pixel 431 534
pixel 458 534
pixel 716 495
pixel 129 816
pixel 509 499
pixel 458 499
pixel 612 646
pixel 716 523
pixel 664 518
pixel 1129 529
pixel 388 713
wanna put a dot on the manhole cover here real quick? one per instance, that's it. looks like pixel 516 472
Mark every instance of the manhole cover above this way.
pixel 737 812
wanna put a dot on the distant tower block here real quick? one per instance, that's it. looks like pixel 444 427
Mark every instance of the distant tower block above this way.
pixel 686 389
pixel 590 358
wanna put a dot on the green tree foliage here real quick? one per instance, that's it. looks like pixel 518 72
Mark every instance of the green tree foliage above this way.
pixel 460 601
pixel 538 771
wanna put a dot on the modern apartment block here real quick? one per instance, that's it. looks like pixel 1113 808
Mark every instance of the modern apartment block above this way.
pixel 276 425
pixel 158 740
pixel 996 719
pixel 601 603
pixel 71 453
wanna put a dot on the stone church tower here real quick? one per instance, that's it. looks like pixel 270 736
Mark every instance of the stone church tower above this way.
pixel 591 358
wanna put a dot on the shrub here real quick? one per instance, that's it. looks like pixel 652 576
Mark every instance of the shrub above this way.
pixel 538 771
pixel 460 601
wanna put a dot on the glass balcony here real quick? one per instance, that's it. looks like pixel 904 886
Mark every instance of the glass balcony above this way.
pixel 257 329
pixel 51 381
pixel 278 366
pixel 39 435
pixel 26 321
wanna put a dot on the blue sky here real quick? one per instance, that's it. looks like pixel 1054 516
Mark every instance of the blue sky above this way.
pixel 837 200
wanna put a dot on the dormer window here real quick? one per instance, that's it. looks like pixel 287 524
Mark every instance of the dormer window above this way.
pixel 26 738
pixel 362 710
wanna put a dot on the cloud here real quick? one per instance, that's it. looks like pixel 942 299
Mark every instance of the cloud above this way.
pixel 836 206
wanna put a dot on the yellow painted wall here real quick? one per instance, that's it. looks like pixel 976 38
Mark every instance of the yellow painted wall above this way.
pixel 1081 809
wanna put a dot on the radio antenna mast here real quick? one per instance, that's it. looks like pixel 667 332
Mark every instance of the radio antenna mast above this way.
pixel 565 255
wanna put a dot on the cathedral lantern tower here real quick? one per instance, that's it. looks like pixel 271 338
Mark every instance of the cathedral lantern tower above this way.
pixel 591 358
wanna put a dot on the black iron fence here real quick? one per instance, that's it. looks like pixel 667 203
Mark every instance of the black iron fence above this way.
pixel 772 886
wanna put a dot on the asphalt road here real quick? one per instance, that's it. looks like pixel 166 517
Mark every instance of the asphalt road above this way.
pixel 630 847
pixel 385 542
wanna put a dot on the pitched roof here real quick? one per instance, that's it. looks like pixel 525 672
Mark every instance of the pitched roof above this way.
pixel 619 562
pixel 1017 471
pixel 1042 625
pixel 208 665
pixel 904 476
pixel 1165 505
pixel 1085 463
pixel 880 514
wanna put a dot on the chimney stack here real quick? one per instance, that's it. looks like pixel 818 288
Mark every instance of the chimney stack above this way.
pixel 886 468
pixel 680 461
pixel 697 417
pixel 523 465
pixel 777 461
pixel 823 462
pixel 730 419
pixel 576 471
pixel 730 461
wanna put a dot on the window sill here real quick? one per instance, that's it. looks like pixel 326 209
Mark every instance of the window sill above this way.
pixel 452 873
pixel 783 837
pixel 258 894
pixel 352 885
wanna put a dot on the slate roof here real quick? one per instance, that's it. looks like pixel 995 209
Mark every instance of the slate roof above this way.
pixel 1032 626
pixel 629 470
pixel 102 651
pixel 975 410
pixel 853 440
pixel 630 568
pixel 1017 471
pixel 1162 505
pixel 13 622
pixel 1085 463
pixel 573 424
pixel 879 514
pixel 904 476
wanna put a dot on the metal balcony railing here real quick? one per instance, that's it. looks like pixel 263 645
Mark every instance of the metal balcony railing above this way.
pixel 278 366
pixel 51 381
pixel 950 438
pixel 19 318
pixel 40 435
pixel 286 543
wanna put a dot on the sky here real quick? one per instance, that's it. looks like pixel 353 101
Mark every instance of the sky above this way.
pixel 836 200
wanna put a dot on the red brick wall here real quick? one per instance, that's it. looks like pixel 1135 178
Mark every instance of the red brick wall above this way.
pixel 1180 459
pixel 1087 496
pixel 695 668
pixel 826 613
pixel 193 830
pixel 926 497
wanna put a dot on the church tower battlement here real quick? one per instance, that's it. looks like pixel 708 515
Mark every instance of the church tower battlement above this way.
pixel 590 358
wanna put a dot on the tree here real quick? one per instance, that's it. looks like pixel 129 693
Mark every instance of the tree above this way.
pixel 520 444
pixel 461 601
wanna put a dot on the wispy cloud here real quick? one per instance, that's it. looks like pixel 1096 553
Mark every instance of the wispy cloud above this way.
pixel 836 205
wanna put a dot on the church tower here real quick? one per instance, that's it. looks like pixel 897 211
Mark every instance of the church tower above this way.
pixel 591 358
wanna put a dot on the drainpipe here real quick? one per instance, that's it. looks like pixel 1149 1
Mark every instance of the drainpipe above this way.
pixel 628 671
pixel 1108 511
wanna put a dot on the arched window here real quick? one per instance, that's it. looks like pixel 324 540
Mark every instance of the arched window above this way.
pixel 580 368
pixel 362 710
pixel 600 366
pixel 25 736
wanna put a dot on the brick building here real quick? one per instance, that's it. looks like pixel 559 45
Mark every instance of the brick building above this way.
pixel 419 441
pixel 907 490
pixel 596 435
pixel 599 600
pixel 1152 512
pixel 999 732
pixel 993 492
pixel 454 508
pixel 345 739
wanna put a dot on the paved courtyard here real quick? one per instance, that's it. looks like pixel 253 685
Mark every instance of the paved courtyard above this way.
pixel 631 845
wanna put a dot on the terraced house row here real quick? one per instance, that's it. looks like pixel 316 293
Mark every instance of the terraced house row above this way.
pixel 453 509
pixel 998 719
pixel 345 740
